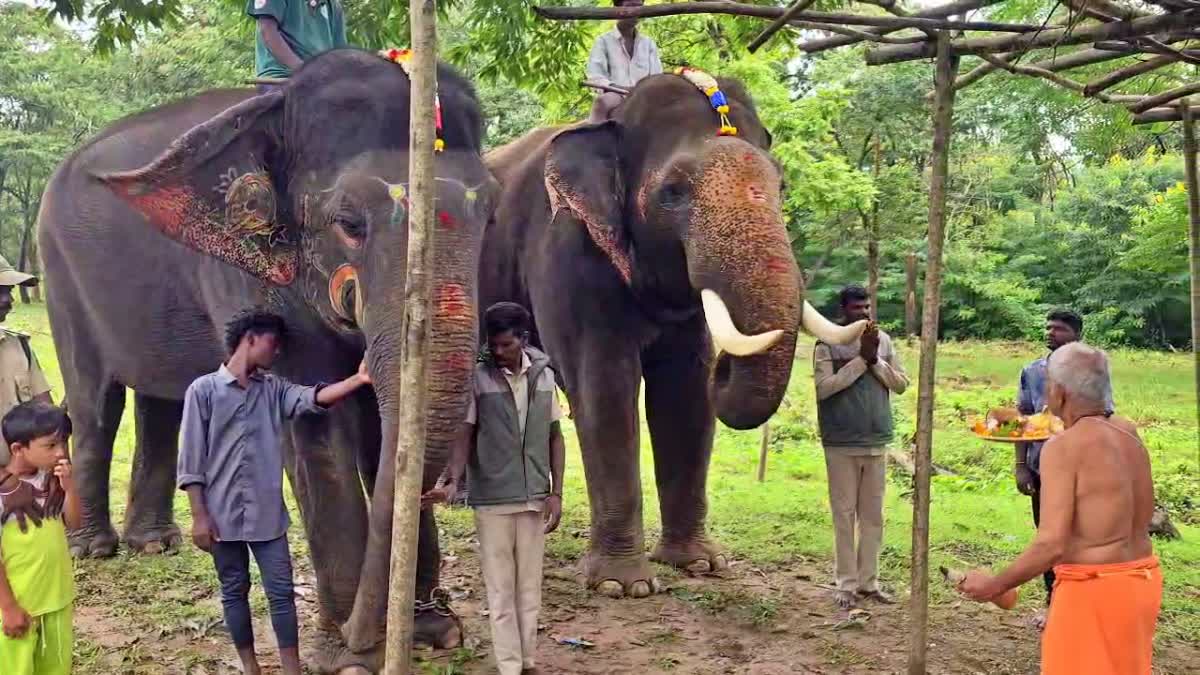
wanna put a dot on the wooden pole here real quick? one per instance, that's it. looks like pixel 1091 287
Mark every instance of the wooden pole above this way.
pixel 873 239
pixel 959 7
pixel 762 452
pixel 410 447
pixel 1193 187
pixel 796 7
pixel 910 295
pixel 943 117
pixel 1166 97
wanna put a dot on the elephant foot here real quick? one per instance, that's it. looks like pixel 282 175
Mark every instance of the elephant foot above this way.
pixel 154 540
pixel 435 624
pixel 93 542
pixel 330 655
pixel 698 556
pixel 619 576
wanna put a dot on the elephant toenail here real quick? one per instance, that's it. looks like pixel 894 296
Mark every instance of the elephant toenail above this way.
pixel 658 586
pixel 152 548
pixel 720 562
pixel 639 589
pixel 610 588
pixel 699 567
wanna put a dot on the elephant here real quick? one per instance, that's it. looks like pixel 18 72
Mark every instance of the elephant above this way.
pixel 644 246
pixel 294 200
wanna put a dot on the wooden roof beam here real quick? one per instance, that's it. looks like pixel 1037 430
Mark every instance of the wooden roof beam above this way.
pixel 941 11
pixel 1059 36
pixel 769 12
pixel 1122 74
pixel 1167 96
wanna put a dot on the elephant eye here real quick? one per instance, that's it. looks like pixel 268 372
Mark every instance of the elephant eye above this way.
pixel 352 225
pixel 674 194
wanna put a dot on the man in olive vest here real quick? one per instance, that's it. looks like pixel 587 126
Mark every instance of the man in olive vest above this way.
pixel 854 387
pixel 515 473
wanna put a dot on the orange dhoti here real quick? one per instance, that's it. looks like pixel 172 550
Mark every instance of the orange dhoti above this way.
pixel 1101 619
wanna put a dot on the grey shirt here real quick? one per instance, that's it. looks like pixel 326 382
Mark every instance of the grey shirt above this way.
pixel 609 63
pixel 231 444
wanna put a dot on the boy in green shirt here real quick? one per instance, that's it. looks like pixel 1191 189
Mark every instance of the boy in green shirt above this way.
pixel 290 32
pixel 38 504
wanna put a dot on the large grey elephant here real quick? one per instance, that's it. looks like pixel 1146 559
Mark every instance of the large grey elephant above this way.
pixel 640 244
pixel 294 200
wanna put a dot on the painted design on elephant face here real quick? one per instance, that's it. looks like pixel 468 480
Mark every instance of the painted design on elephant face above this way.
pixel 342 284
pixel 183 216
pixel 250 208
pixel 452 304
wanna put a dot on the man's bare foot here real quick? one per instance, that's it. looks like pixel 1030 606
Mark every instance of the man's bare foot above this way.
pixel 845 599
pixel 877 595
pixel 1039 620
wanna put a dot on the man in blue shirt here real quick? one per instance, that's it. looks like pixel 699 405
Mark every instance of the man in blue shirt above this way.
pixel 1062 328
pixel 231 466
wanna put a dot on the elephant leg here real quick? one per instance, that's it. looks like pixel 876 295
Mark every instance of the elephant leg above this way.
pixel 434 623
pixel 149 519
pixel 604 380
pixel 95 416
pixel 680 414
pixel 320 457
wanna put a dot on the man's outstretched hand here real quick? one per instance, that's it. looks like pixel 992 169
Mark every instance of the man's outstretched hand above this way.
pixel 442 495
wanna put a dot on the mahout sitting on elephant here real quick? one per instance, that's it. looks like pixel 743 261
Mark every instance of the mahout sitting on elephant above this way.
pixel 295 200
pixel 641 244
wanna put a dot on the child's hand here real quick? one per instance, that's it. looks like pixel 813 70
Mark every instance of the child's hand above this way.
pixel 65 476
pixel 16 621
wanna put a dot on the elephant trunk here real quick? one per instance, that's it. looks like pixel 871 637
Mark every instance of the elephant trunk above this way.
pixel 740 261
pixel 452 346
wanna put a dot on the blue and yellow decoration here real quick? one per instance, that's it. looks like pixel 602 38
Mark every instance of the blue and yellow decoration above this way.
pixel 708 84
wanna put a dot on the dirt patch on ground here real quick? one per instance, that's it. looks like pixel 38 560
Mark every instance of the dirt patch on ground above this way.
pixel 747 621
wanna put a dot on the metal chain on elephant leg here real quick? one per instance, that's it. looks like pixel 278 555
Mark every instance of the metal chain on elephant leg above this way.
pixel 436 623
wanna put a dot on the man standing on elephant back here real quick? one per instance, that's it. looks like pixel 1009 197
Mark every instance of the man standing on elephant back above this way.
pixel 854 387
pixel 21 377
pixel 515 475
pixel 290 32
pixel 231 466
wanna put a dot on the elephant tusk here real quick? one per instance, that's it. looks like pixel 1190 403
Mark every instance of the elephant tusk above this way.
pixel 726 337
pixel 826 331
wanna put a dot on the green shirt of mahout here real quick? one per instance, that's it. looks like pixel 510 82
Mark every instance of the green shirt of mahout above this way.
pixel 308 26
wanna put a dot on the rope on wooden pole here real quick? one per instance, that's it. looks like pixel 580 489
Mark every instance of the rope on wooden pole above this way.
pixel 943 118
pixel 1193 188
pixel 410 447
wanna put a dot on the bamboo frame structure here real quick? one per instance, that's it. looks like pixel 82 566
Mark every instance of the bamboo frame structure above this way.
pixel 1113 32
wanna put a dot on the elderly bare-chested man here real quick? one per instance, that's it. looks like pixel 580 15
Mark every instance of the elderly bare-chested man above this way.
pixel 1097 499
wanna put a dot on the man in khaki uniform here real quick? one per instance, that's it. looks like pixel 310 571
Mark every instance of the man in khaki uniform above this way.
pixel 21 378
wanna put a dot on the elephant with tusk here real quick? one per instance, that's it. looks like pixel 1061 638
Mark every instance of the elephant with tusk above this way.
pixel 167 223
pixel 652 248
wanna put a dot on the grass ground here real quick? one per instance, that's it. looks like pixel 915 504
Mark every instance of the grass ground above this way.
pixel 770 613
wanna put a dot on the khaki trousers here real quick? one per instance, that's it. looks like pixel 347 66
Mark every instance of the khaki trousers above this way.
pixel 510 550
pixel 856 485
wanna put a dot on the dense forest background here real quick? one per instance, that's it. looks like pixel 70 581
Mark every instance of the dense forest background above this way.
pixel 1055 200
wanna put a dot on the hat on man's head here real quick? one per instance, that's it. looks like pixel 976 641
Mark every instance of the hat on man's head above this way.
pixel 9 276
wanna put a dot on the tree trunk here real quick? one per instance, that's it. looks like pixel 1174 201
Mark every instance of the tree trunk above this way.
pixel 910 296
pixel 28 212
pixel 410 450
pixel 873 243
pixel 943 117
pixel 1193 186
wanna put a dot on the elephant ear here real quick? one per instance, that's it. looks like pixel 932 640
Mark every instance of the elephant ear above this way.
pixel 584 183
pixel 211 190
